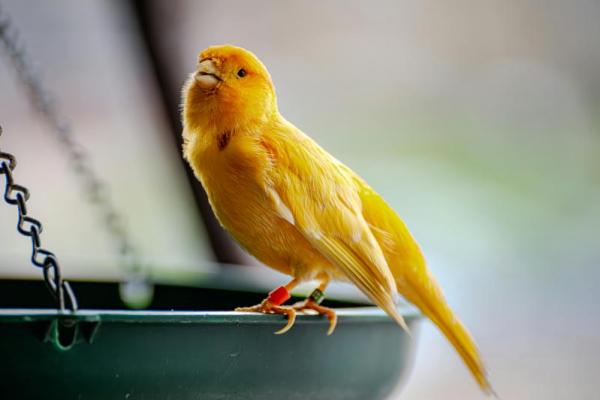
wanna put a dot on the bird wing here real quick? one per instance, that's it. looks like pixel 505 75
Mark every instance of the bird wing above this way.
pixel 311 190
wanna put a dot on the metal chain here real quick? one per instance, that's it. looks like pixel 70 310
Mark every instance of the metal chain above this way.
pixel 18 195
pixel 94 187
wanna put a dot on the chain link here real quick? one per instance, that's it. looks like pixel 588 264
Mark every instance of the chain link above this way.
pixel 96 190
pixel 18 195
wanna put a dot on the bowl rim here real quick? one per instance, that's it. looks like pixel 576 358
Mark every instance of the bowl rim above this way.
pixel 349 314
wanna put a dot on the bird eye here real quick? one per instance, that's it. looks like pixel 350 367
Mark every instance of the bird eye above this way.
pixel 242 73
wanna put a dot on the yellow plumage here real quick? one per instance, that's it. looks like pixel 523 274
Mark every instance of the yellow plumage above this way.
pixel 292 205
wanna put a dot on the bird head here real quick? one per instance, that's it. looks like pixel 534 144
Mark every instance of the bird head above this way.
pixel 230 86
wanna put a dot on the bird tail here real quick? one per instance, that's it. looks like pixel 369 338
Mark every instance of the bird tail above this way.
pixel 428 297
pixel 413 279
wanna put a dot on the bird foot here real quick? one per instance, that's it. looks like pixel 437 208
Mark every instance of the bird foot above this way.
pixel 311 305
pixel 266 307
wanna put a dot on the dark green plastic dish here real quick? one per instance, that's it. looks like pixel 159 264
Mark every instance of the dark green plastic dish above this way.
pixel 109 354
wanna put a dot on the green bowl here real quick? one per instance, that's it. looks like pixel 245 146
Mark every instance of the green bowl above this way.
pixel 116 354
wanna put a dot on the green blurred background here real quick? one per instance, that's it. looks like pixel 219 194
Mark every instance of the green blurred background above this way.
pixel 477 120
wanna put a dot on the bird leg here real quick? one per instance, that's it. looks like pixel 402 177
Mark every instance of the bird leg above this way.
pixel 272 305
pixel 313 301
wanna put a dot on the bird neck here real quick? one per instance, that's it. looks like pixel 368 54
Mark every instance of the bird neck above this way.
pixel 211 115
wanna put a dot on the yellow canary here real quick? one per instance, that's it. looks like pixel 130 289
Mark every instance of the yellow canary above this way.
pixel 295 207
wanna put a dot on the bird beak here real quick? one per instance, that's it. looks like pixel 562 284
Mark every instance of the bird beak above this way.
pixel 206 75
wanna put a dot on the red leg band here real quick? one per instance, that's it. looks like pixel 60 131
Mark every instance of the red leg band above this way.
pixel 279 296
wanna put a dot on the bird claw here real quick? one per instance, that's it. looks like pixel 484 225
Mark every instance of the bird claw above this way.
pixel 267 307
pixel 310 304
pixel 291 318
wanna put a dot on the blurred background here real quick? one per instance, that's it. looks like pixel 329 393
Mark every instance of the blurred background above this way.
pixel 478 121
